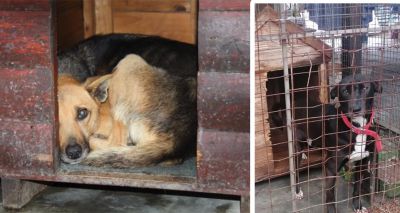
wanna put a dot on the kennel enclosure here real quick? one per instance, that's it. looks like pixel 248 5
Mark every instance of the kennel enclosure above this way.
pixel 352 39
pixel 31 31
pixel 309 63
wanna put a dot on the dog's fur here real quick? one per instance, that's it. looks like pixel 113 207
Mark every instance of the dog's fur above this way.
pixel 151 115
pixel 99 54
pixel 74 133
pixel 354 96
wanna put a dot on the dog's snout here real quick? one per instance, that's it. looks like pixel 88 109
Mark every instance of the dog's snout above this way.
pixel 73 151
pixel 357 108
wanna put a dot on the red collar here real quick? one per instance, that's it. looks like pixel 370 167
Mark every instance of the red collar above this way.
pixel 364 130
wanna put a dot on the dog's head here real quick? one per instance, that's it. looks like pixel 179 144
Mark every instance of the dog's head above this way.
pixel 78 115
pixel 355 94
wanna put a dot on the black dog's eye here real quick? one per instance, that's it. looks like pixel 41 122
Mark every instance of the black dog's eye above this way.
pixel 345 92
pixel 82 113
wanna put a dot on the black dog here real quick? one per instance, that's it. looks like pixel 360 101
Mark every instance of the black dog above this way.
pixel 98 55
pixel 354 102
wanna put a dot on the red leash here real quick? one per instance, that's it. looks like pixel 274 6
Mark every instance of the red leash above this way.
pixel 365 130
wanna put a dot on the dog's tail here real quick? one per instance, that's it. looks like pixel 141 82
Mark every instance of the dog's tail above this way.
pixel 128 156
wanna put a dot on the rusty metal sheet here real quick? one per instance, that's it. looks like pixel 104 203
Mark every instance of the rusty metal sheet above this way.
pixel 224 39
pixel 224 5
pixel 27 109
pixel 224 101
pixel 223 160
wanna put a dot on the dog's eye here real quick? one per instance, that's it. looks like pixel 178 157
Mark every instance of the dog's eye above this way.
pixel 82 113
pixel 345 92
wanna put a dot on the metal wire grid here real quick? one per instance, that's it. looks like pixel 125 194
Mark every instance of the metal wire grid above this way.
pixel 356 38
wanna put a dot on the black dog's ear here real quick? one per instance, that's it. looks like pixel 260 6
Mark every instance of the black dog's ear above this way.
pixel 377 86
pixel 335 92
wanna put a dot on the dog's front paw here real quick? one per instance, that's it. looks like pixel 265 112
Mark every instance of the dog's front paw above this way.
pixel 299 195
pixel 362 210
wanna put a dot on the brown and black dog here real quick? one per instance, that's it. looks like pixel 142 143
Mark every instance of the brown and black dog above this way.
pixel 139 115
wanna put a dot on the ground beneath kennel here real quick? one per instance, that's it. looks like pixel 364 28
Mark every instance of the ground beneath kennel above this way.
pixel 63 199
pixel 275 196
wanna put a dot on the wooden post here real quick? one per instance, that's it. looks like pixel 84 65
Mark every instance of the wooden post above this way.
pixel 103 17
pixel 88 18
pixel 17 193
pixel 245 204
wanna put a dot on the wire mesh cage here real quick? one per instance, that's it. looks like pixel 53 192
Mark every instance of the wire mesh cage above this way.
pixel 327 95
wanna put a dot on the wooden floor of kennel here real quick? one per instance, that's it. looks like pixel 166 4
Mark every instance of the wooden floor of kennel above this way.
pixel 28 107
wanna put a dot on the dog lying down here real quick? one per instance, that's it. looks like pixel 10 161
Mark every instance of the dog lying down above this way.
pixel 137 116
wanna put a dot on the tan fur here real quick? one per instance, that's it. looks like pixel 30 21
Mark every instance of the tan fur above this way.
pixel 131 96
pixel 136 104
pixel 72 95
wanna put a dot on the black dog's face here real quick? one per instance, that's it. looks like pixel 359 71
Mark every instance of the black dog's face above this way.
pixel 356 95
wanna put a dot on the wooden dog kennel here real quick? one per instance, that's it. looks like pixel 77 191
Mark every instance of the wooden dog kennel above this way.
pixel 308 57
pixel 28 72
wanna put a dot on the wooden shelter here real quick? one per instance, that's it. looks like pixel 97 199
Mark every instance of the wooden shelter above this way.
pixel 307 57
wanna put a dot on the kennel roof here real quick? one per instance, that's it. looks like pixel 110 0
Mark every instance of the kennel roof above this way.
pixel 302 51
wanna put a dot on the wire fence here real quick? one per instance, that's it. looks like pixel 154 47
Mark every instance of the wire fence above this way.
pixel 303 51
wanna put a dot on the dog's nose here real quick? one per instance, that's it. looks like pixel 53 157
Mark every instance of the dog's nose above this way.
pixel 73 151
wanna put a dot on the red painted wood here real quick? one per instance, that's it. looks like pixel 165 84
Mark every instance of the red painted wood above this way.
pixel 224 160
pixel 24 40
pixel 224 4
pixel 223 40
pixel 224 101
pixel 27 94
pixel 25 5
pixel 26 147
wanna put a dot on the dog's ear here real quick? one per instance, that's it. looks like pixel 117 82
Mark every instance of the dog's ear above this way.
pixel 98 87
pixel 334 92
pixel 377 86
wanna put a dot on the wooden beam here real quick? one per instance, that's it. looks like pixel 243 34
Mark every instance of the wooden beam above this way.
pixel 88 18
pixel 103 16
pixel 17 193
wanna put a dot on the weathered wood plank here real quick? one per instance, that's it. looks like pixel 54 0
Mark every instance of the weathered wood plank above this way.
pixel 245 204
pixel 153 6
pixel 25 5
pixel 27 148
pixel 223 40
pixel 26 95
pixel 24 39
pixel 224 101
pixel 223 161
pixel 17 193
pixel 224 5
pixel 88 18
pixel 27 109
pixel 103 16
pixel 155 23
